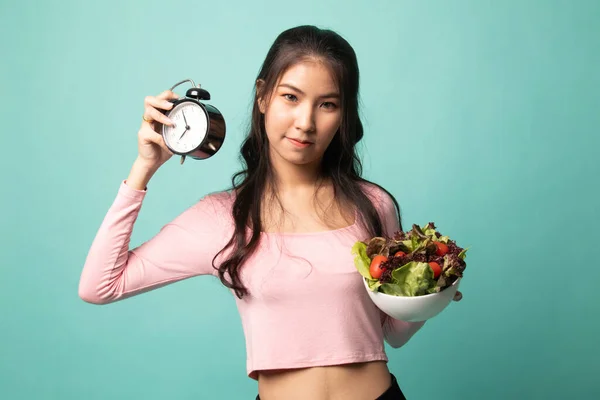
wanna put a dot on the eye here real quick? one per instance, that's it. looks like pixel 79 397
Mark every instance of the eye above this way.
pixel 329 105
pixel 290 97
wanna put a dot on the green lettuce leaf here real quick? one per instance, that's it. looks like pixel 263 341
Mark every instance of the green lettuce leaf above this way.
pixel 392 289
pixel 414 278
pixel 374 284
pixel 377 246
pixel 361 260
pixel 429 231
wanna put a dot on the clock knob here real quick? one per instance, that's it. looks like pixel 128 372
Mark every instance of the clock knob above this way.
pixel 197 93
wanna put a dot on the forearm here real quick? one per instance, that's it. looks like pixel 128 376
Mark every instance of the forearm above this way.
pixel 397 333
pixel 140 174
pixel 101 278
pixel 183 248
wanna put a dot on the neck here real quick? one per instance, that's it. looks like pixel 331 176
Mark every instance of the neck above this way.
pixel 290 176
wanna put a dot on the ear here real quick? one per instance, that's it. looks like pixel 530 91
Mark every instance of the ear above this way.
pixel 260 84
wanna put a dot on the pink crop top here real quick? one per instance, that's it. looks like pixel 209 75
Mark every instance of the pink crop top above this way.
pixel 307 304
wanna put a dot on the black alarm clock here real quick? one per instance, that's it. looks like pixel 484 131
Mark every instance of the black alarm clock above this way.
pixel 199 130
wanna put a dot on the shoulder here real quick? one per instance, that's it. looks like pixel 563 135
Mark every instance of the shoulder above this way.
pixel 221 199
pixel 380 196
pixel 211 211
pixel 386 206
pixel 220 202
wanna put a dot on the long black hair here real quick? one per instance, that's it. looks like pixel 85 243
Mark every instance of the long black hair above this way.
pixel 340 163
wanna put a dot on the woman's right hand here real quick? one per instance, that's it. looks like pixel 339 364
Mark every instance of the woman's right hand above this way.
pixel 151 145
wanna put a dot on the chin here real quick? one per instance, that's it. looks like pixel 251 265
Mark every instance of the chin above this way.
pixel 299 160
pixel 296 158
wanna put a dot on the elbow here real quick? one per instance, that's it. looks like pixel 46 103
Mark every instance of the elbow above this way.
pixel 395 343
pixel 401 332
pixel 91 296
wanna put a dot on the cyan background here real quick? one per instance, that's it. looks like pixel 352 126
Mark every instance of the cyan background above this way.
pixel 480 116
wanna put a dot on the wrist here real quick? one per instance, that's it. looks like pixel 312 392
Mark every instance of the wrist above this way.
pixel 145 166
pixel 140 174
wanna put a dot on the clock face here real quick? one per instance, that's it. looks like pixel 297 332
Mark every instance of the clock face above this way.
pixel 190 127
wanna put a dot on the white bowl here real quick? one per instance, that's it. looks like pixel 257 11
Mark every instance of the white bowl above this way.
pixel 413 308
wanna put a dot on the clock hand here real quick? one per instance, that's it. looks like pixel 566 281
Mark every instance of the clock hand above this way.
pixel 185 120
pixel 186 125
pixel 186 129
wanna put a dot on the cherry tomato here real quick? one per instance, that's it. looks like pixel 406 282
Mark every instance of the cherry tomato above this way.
pixel 400 254
pixel 375 269
pixel 437 270
pixel 442 248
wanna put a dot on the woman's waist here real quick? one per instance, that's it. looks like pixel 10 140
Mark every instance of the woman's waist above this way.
pixel 363 380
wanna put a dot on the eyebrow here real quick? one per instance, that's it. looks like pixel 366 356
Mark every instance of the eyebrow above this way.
pixel 325 96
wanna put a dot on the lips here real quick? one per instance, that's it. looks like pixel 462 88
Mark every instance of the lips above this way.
pixel 299 142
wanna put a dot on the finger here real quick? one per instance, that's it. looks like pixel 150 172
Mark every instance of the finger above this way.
pixel 148 134
pixel 457 296
pixel 151 101
pixel 153 114
pixel 167 94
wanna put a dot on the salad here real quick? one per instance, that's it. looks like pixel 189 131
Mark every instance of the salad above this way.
pixel 418 262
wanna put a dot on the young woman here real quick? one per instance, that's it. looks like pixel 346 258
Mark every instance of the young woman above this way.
pixel 280 238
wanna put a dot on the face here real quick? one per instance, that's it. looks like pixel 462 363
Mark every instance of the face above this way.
pixel 303 114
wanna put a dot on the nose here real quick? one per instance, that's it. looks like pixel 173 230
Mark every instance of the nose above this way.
pixel 305 118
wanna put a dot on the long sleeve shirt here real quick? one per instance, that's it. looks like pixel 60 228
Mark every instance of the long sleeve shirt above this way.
pixel 307 304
